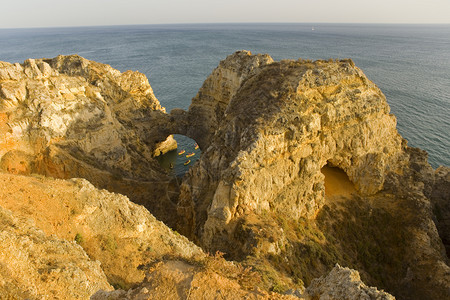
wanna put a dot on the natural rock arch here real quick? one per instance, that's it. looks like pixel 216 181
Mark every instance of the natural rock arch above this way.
pixel 266 130
pixel 281 124
pixel 208 107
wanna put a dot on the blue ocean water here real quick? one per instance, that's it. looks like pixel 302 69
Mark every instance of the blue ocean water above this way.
pixel 410 63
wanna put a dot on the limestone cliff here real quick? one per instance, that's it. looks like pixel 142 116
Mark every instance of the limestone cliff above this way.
pixel 34 265
pixel 207 109
pixel 71 117
pixel 302 168
pixel 259 192
pixel 440 198
pixel 124 237
pixel 279 126
pixel 41 254
pixel 110 228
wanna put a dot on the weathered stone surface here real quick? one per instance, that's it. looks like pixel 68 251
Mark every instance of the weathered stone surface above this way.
pixel 208 107
pixel 284 122
pixel 261 192
pixel 70 117
pixel 113 230
pixel 343 283
pixel 34 265
pixel 181 280
pixel 173 279
pixel 440 198
pixel 262 169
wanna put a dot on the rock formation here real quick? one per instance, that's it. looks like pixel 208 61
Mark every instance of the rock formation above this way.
pixel 70 117
pixel 440 196
pixel 301 168
pixel 111 229
pixel 343 283
pixel 207 110
pixel 174 279
pixel 180 280
pixel 34 265
pixel 258 191
pixel 280 124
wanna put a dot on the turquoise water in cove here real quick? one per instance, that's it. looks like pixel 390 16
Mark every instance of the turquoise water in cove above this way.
pixel 410 63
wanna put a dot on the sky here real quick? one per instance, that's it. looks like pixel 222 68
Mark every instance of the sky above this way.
pixel 63 13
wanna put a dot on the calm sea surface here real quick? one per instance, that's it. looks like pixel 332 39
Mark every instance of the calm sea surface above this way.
pixel 410 63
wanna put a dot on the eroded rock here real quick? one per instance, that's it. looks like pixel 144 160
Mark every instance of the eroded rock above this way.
pixel 269 132
pixel 283 123
pixel 261 176
pixel 34 265
pixel 172 279
pixel 70 117
pixel 343 283
pixel 440 198
pixel 111 229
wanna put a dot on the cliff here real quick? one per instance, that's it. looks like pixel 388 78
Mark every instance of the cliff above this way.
pixel 67 239
pixel 70 117
pixel 284 123
pixel 304 168
pixel 36 266
pixel 111 229
pixel 301 168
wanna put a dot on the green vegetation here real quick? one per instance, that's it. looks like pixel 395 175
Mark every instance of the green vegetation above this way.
pixel 371 238
pixel 79 238
pixel 109 244
pixel 367 234
pixel 307 252
pixel 279 288
pixel 287 253
pixel 119 286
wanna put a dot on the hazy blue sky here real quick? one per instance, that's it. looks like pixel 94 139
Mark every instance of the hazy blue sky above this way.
pixel 45 13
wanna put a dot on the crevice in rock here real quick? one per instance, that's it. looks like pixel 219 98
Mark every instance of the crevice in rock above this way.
pixel 337 182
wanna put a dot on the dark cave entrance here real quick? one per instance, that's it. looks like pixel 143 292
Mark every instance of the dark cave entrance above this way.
pixel 178 162
pixel 337 182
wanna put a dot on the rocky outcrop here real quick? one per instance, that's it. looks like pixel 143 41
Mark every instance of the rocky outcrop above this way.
pixel 263 173
pixel 70 117
pixel 181 280
pixel 440 197
pixel 34 265
pixel 284 121
pixel 110 228
pixel 343 283
pixel 208 107
pixel 302 168
pixel 121 235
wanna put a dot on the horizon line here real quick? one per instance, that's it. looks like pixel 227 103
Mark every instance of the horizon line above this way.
pixel 221 23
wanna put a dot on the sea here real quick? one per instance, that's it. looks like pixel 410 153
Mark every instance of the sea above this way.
pixel 409 63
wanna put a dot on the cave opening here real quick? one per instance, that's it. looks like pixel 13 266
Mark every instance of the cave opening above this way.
pixel 337 182
pixel 178 162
